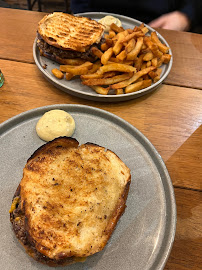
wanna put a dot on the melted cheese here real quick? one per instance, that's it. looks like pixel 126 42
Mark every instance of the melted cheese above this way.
pixel 14 204
pixel 54 124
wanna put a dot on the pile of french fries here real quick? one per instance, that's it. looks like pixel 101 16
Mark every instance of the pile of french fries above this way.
pixel 129 60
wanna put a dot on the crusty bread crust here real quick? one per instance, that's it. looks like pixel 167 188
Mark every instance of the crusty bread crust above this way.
pixel 70 32
pixel 72 198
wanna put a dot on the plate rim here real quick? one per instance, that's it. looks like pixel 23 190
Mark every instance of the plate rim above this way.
pixel 164 250
pixel 99 97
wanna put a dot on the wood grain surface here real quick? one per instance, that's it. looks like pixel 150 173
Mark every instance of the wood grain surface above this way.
pixel 187 58
pixel 185 164
pixel 186 251
pixel 170 117
pixel 17 45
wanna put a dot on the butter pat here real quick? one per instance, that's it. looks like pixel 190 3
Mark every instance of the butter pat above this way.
pixel 55 123
pixel 108 20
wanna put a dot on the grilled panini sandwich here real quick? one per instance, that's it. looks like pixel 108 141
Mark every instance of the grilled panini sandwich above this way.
pixel 69 201
pixel 64 36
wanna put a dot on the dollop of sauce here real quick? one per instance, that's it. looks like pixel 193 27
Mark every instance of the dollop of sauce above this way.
pixel 55 123
pixel 108 20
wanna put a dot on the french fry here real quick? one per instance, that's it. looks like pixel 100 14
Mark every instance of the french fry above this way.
pixel 119 91
pixel 148 63
pixel 145 77
pixel 139 61
pixel 77 70
pixel 95 67
pixel 121 56
pixel 91 76
pixel 157 78
pixel 96 52
pixel 100 90
pixel 138 86
pixel 166 58
pixel 159 71
pixel 116 28
pixel 136 28
pixel 145 30
pixel 130 36
pixel 152 74
pixel 116 67
pixel 115 60
pixel 68 76
pixel 104 46
pixel 106 56
pixel 57 73
pixel 154 62
pixel 153 47
pixel 130 31
pixel 109 42
pixel 118 45
pixel 97 76
pixel 134 78
pixel 130 46
pixel 144 65
pixel 108 81
pixel 133 54
pixel 144 47
pixel 160 61
pixel 141 26
pixel 148 56
pixel 162 47
pixel 128 61
pixel 111 34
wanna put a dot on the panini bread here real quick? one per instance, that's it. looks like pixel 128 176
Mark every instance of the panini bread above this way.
pixel 62 36
pixel 69 201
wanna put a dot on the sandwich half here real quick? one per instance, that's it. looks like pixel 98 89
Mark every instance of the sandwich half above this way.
pixel 65 36
pixel 69 201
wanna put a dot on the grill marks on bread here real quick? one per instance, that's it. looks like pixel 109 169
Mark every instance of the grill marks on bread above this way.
pixel 70 32
pixel 72 197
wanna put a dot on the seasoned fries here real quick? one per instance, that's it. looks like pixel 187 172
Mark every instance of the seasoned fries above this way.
pixel 57 73
pixel 133 54
pixel 116 67
pixel 106 56
pixel 127 61
pixel 108 81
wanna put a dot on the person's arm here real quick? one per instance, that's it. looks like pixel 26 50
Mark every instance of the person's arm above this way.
pixel 175 20
pixel 180 19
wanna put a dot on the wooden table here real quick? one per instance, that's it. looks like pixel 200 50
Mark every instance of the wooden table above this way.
pixel 169 117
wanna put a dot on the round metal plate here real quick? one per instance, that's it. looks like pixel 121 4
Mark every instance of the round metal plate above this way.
pixel 144 235
pixel 74 87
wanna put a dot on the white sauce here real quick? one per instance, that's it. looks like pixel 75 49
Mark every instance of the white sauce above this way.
pixel 108 20
pixel 54 124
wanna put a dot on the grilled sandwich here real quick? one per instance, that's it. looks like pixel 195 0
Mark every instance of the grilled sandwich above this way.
pixel 69 201
pixel 65 36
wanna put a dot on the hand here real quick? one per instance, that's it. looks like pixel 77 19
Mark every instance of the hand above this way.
pixel 175 20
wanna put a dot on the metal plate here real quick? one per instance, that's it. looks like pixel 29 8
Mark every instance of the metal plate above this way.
pixel 74 87
pixel 144 235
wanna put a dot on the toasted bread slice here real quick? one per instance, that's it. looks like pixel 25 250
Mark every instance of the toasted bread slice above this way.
pixel 70 32
pixel 70 199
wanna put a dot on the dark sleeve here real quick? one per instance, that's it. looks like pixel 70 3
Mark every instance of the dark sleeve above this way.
pixel 80 6
pixel 188 7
